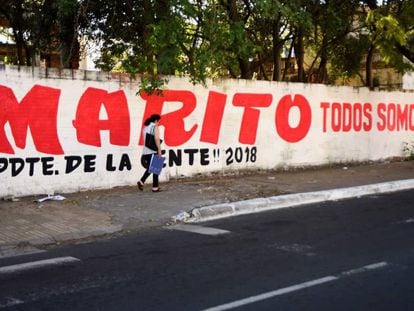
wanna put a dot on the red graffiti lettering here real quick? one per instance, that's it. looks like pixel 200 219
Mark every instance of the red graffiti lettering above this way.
pixel 325 107
pixel 362 116
pixel 287 132
pixel 336 118
pixel 345 117
pixel 213 117
pixel 394 117
pixel 382 123
pixel 88 124
pixel 173 122
pixel 37 111
pixel 248 129
pixel 410 118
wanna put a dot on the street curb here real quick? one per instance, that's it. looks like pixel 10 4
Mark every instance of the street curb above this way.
pixel 217 211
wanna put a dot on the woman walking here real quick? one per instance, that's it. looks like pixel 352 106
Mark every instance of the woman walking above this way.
pixel 150 131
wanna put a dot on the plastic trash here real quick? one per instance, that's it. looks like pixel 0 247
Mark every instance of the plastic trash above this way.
pixel 181 216
pixel 51 197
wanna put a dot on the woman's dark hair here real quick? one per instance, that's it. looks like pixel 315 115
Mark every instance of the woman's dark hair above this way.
pixel 152 118
pixel 155 117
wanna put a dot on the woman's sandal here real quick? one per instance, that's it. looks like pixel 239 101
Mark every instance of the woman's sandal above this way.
pixel 140 186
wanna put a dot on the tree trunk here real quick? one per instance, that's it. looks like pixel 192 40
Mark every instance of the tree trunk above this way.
pixel 68 34
pixel 287 61
pixel 244 66
pixel 19 46
pixel 16 21
pixel 368 68
pixel 300 55
pixel 322 71
pixel 277 49
pixel 245 72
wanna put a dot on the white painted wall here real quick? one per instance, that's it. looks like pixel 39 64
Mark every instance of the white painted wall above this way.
pixel 408 81
pixel 270 150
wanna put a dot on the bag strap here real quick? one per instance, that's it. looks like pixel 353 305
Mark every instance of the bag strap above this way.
pixel 152 130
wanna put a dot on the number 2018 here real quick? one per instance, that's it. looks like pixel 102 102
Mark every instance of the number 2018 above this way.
pixel 240 155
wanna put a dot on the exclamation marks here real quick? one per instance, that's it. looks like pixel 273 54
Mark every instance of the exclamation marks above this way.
pixel 216 155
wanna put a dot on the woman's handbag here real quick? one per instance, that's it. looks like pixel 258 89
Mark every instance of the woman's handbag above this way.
pixel 150 140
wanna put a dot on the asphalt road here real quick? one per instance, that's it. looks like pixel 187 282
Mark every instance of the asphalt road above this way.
pixel 349 255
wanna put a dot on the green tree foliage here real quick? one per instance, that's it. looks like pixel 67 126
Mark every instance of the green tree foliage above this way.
pixel 21 17
pixel 40 26
pixel 203 39
pixel 392 32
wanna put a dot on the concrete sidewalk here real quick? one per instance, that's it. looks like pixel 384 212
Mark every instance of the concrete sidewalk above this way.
pixel 94 213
